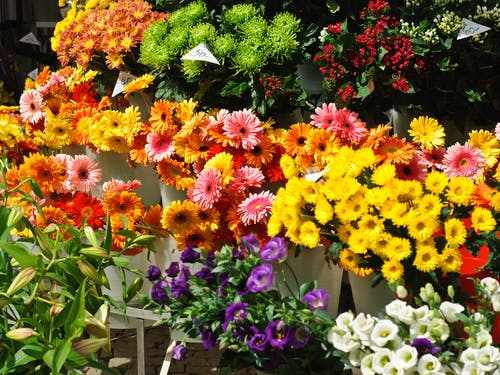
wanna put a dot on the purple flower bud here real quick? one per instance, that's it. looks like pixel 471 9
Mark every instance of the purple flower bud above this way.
pixel 206 274
pixel 250 243
pixel 275 250
pixel 179 352
pixel 208 338
pixel 189 255
pixel 236 312
pixel 425 346
pixel 153 273
pixel 158 292
pixel 261 279
pixel 317 299
pixel 278 334
pixel 173 269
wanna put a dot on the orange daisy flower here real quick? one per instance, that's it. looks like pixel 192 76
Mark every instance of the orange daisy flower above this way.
pixel 83 120
pixel 140 83
pixel 175 173
pixel 152 218
pixel 180 216
pixel 162 116
pixel 295 138
pixel 321 144
pixel 53 215
pixel 125 203
pixel 376 136
pixel 196 238
pixel 395 151
pixel 48 174
pixel 483 195
pixel 261 154
pixel 185 110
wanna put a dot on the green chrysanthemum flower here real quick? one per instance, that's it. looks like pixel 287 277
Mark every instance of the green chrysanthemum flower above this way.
pixel 202 33
pixel 224 46
pixel 192 68
pixel 255 30
pixel 153 52
pixel 249 58
pixel 241 13
pixel 189 15
pixel 286 22
pixel 282 44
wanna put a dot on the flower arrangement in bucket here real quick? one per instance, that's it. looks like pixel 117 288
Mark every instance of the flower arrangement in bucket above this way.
pixel 391 208
pixel 230 298
pixel 429 336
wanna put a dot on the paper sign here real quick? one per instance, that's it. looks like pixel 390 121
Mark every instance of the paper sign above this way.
pixel 470 29
pixel 202 53
pixel 123 80
pixel 30 38
pixel 315 176
pixel 33 74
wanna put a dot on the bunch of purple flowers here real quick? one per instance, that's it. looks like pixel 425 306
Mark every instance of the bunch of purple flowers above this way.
pixel 237 299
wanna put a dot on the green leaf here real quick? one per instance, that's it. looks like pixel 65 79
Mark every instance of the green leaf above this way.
pixel 75 321
pixel 61 354
pixel 28 354
pixel 364 91
pixel 48 358
pixel 20 253
pixel 36 189
pixel 332 6
pixel 234 88
pixel 307 287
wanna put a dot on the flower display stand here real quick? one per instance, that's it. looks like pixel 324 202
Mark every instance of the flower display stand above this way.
pixel 367 299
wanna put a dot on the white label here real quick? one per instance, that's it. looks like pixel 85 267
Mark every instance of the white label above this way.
pixel 30 38
pixel 201 53
pixel 315 176
pixel 33 74
pixel 470 29
pixel 123 80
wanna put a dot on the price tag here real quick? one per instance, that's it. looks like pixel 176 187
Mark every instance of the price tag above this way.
pixel 30 38
pixel 123 80
pixel 470 29
pixel 315 176
pixel 201 53
pixel 33 74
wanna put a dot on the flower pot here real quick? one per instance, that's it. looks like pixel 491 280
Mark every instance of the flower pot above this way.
pixel 367 299
pixel 311 265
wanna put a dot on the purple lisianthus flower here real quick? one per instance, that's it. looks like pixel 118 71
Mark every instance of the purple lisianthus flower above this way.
pixel 208 338
pixel 180 287
pixel 275 250
pixel 173 269
pixel 261 279
pixel 206 274
pixel 257 342
pixel 236 312
pixel 425 346
pixel 278 334
pixel 153 273
pixel 300 336
pixel 158 292
pixel 250 243
pixel 209 260
pixel 316 299
pixel 189 255
pixel 179 352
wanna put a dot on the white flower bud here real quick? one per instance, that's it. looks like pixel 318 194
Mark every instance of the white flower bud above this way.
pixel 450 311
pixel 401 292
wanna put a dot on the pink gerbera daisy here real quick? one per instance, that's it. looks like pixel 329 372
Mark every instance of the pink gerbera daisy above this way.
pixel 83 173
pixel 246 177
pixel 433 158
pixel 467 161
pixel 416 169
pixel 32 106
pixel 497 131
pixel 324 116
pixel 244 128
pixel 256 207
pixel 159 146
pixel 216 122
pixel 207 188
pixel 64 160
pixel 56 79
pixel 346 126
pixel 117 186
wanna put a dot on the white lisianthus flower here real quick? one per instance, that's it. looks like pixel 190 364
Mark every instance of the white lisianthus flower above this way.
pixel 450 311
pixel 439 329
pixel 451 368
pixel 392 369
pixel 344 320
pixel 381 358
pixel 428 364
pixel 490 285
pixel 344 342
pixel 421 313
pixel 356 356
pixel 362 326
pixel 488 358
pixel 495 300
pixel 483 338
pixel 406 357
pixel 421 329
pixel 472 368
pixel 367 365
pixel 395 308
pixel 383 332
pixel 469 355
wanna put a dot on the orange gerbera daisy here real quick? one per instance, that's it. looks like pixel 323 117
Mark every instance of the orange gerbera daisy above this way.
pixel 261 154
pixel 125 203
pixel 140 83
pixel 296 137
pixel 53 215
pixel 162 116
pixel 195 238
pixel 13 177
pixel 321 144
pixel 48 174
pixel 180 216
pixel 175 173
pixel 152 218
pixel 395 150
pixel 193 147
pixel 185 110
pixel 483 195
pixel 376 136
pixel 43 76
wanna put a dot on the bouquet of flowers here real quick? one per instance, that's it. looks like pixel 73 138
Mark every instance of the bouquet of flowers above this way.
pixel 235 299
pixel 402 210
pixel 433 336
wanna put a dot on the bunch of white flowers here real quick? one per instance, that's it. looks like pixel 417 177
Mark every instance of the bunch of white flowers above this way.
pixel 433 337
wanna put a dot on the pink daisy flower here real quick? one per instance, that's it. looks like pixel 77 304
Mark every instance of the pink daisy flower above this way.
pixel 32 106
pixel 244 128
pixel 159 146
pixel 467 161
pixel 346 126
pixel 56 79
pixel 416 169
pixel 207 188
pixel 497 131
pixel 256 207
pixel 65 160
pixel 324 116
pixel 433 158
pixel 246 177
pixel 83 173
pixel 117 186
pixel 216 122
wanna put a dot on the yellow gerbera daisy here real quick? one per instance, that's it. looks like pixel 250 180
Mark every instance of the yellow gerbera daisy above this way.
pixel 223 162
pixel 460 190
pixel 427 131
pixel 392 270
pixel 436 182
pixel 138 84
pixel 482 220
pixel 487 142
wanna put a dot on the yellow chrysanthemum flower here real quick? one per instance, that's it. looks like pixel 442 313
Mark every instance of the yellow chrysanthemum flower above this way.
pixel 289 167
pixel 427 259
pixel 427 131
pixel 450 260
pixel 377 196
pixel 455 232
pixel 323 210
pixel 421 225
pixel 358 242
pixel 348 260
pixel 344 232
pixel 406 190
pixel 482 220
pixel 392 270
pixel 379 244
pixel 352 208
pixel 436 182
pixel 487 142
pixel 336 189
pixel 460 190
pixel 398 248
pixel 430 204
pixel 371 225
pixel 309 190
pixel 309 234
pixel 274 225
pixel 223 162
pixel 395 211
pixel 383 174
